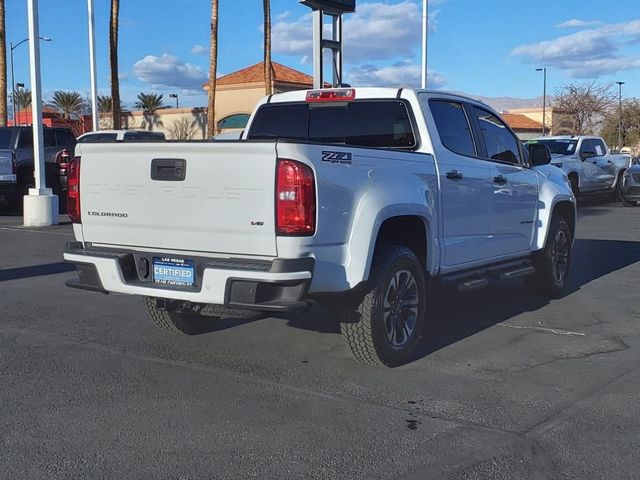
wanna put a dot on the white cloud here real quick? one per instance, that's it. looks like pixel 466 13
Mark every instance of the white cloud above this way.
pixel 587 53
pixel 169 71
pixel 576 23
pixel 402 74
pixel 377 31
pixel 198 49
pixel 283 16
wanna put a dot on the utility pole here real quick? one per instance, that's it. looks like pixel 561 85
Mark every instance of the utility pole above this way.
pixel 425 40
pixel 620 115
pixel 40 205
pixel 92 66
pixel 544 99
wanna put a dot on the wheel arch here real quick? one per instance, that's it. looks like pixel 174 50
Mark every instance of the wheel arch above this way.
pixel 411 230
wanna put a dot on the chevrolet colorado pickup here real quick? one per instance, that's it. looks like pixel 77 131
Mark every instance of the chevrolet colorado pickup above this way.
pixel 589 164
pixel 368 195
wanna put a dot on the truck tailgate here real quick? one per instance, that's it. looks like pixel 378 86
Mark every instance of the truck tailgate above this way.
pixel 201 197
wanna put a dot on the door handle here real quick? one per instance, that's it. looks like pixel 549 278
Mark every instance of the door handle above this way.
pixel 455 175
pixel 500 179
pixel 168 169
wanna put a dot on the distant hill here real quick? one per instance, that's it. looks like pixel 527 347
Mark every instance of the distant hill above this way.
pixel 502 104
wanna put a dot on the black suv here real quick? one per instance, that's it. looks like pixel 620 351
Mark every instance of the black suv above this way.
pixel 17 142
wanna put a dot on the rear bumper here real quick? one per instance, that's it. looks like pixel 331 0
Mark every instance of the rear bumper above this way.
pixel 270 286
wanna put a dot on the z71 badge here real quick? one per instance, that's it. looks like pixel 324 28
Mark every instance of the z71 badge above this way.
pixel 337 157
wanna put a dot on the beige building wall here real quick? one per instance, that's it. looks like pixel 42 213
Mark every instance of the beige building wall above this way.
pixel 173 122
pixel 558 121
pixel 237 100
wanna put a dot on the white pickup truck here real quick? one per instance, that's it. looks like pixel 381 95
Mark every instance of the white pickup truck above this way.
pixel 588 162
pixel 369 195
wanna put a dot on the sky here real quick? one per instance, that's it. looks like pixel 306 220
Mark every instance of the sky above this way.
pixel 481 47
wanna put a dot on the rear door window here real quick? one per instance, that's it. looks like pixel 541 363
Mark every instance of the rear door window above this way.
pixel 453 126
pixel 379 124
pixel 586 146
pixel 499 142
pixel 599 148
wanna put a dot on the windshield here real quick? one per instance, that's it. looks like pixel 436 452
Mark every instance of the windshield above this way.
pixel 5 137
pixel 560 147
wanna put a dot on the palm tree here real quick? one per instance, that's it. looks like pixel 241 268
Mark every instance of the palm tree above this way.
pixel 213 67
pixel 149 102
pixel 21 99
pixel 268 72
pixel 105 105
pixel 113 59
pixel 70 103
pixel 3 68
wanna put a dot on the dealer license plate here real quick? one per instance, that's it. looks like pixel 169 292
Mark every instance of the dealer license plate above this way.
pixel 173 271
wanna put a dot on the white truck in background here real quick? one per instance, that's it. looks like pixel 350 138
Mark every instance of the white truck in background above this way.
pixel 368 195
pixel 588 163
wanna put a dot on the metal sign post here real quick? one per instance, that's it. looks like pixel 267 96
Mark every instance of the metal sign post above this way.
pixel 334 9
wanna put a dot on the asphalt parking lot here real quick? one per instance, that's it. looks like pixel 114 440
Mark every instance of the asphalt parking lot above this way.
pixel 507 386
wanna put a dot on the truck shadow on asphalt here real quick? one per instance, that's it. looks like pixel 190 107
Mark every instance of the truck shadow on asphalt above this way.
pixel 30 271
pixel 453 316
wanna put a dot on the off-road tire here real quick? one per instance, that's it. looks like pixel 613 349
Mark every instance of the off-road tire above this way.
pixel 616 194
pixel 546 279
pixel 178 323
pixel 575 187
pixel 362 318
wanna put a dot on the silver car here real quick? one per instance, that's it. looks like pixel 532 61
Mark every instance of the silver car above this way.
pixel 630 189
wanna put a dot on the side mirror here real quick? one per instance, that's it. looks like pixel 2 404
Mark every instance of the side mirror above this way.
pixel 539 154
pixel 587 154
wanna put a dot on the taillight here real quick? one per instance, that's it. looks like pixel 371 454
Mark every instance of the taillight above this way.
pixel 73 191
pixel 295 199
pixel 345 95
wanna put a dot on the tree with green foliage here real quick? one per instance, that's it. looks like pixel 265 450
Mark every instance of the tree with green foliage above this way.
pixel 22 99
pixel 70 104
pixel 149 102
pixel 105 104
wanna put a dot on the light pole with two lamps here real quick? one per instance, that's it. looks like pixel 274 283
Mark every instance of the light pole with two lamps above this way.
pixel 13 80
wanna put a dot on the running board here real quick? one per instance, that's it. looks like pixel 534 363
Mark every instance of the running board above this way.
pixel 479 278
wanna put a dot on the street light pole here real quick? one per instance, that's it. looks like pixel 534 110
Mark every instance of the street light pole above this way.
pixel 19 85
pixel 620 115
pixel 92 67
pixel 544 100
pixel 175 95
pixel 12 47
pixel 40 205
pixel 425 40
